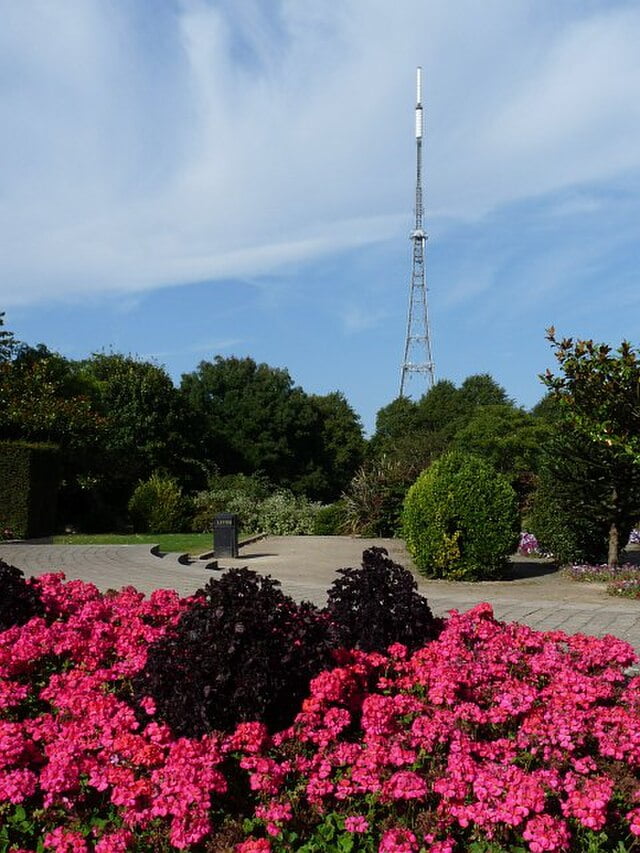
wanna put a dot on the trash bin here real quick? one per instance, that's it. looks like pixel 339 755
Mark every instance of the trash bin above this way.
pixel 225 534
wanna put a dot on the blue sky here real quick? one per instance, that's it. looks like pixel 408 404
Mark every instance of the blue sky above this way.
pixel 191 178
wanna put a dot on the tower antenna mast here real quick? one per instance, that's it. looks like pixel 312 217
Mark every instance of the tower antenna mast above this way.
pixel 417 347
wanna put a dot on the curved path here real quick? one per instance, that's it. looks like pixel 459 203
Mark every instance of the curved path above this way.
pixel 535 595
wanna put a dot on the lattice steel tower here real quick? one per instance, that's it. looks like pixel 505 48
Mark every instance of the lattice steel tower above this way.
pixel 417 347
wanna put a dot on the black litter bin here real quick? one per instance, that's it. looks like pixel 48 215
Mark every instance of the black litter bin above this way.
pixel 225 534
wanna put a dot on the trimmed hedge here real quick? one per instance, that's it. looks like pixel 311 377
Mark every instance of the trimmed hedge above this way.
pixel 460 519
pixel 29 480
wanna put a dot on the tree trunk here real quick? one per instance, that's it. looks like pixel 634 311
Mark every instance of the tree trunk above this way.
pixel 614 537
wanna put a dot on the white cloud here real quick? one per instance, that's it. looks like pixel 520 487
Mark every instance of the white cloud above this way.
pixel 222 140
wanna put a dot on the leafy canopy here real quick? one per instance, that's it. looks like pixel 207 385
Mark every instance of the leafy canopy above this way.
pixel 256 420
pixel 599 389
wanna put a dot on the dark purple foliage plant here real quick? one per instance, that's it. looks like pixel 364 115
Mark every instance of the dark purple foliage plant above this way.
pixel 243 651
pixel 378 604
pixel 19 601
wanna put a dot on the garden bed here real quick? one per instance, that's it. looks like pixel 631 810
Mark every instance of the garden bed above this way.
pixel 494 737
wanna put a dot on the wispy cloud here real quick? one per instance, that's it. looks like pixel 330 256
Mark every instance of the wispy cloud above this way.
pixel 216 346
pixel 360 318
pixel 213 140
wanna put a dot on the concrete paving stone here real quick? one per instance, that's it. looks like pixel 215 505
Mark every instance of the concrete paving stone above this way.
pixel 535 594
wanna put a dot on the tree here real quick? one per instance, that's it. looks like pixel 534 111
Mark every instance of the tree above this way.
pixel 548 409
pixel 570 509
pixel 440 408
pixel 481 389
pixel 255 420
pixel 402 435
pixel 599 392
pixel 511 439
pixel 147 426
pixel 341 445
pixel 419 432
pixel 8 342
pixel 393 422
pixel 42 398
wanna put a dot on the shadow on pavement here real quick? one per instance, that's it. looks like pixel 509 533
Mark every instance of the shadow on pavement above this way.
pixel 524 568
pixel 253 556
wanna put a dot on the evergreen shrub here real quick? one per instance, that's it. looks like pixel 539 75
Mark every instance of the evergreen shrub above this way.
pixel 157 505
pixel 330 520
pixel 19 601
pixel 29 479
pixel 378 604
pixel 563 526
pixel 460 519
pixel 242 652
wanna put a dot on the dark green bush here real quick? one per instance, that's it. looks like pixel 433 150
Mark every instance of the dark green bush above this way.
pixel 158 506
pixel 19 602
pixel 330 520
pixel 243 651
pixel 29 479
pixel 583 489
pixel 460 519
pixel 378 604
pixel 562 526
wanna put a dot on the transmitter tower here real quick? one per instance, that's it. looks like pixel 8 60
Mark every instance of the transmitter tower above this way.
pixel 417 348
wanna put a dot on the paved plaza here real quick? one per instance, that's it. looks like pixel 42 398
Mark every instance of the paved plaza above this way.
pixel 535 595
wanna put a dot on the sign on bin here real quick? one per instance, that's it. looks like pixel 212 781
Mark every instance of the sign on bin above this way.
pixel 225 534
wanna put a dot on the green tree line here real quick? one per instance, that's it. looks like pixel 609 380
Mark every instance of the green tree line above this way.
pixel 118 419
pixel 573 460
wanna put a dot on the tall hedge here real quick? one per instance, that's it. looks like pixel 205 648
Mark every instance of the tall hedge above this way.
pixel 460 519
pixel 29 480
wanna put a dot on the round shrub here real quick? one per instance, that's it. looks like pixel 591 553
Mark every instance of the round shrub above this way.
pixel 157 506
pixel 19 601
pixel 243 651
pixel 378 604
pixel 460 519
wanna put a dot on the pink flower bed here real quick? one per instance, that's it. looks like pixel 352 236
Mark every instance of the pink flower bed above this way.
pixel 493 734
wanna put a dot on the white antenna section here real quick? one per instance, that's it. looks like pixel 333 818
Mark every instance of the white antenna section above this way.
pixel 419 103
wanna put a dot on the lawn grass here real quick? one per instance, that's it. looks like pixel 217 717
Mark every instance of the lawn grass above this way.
pixel 183 543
